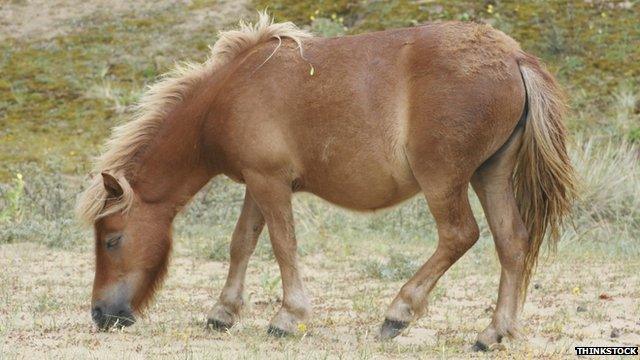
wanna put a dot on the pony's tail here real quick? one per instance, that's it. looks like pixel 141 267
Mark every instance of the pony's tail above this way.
pixel 544 179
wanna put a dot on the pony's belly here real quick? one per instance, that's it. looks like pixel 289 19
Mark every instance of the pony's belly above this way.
pixel 363 188
pixel 363 198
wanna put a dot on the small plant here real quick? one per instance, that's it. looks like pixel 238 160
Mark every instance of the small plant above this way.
pixel 38 206
pixel 398 267
pixel 219 251
pixel 12 200
pixel 46 303
pixel 364 302
pixel 270 285
pixel 327 27
pixel 634 135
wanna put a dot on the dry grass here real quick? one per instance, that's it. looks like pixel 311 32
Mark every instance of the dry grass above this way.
pixel 44 298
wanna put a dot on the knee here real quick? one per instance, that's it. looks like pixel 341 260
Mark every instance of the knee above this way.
pixel 461 238
pixel 466 235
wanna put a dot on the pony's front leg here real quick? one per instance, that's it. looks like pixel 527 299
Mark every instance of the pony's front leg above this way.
pixel 243 243
pixel 273 196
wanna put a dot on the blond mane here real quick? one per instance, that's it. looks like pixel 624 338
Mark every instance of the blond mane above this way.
pixel 129 140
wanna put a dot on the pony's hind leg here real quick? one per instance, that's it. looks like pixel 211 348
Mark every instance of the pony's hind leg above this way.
pixel 457 232
pixel 243 243
pixel 493 184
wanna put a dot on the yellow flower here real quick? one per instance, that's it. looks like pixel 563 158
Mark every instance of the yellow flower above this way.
pixel 312 17
pixel 19 176
pixel 334 16
pixel 302 328
pixel 490 9
pixel 576 290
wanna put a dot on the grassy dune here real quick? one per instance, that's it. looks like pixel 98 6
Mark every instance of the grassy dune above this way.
pixel 75 72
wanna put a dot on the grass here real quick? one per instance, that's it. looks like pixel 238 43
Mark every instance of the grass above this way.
pixel 398 267
pixel 60 95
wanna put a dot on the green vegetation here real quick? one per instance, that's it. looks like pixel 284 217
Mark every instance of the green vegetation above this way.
pixel 398 267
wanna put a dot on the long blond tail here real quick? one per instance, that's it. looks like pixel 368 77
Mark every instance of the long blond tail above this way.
pixel 544 179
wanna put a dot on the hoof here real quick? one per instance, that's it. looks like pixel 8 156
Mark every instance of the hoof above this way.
pixel 392 328
pixel 218 325
pixel 479 346
pixel 277 332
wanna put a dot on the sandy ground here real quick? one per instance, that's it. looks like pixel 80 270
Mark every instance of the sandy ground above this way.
pixel 44 19
pixel 37 19
pixel 45 294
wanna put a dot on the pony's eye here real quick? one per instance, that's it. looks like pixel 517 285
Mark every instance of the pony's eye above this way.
pixel 113 241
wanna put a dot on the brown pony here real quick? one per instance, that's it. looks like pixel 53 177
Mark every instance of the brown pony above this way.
pixel 364 122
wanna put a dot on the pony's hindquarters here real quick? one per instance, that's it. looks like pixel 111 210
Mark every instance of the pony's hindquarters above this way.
pixel 526 189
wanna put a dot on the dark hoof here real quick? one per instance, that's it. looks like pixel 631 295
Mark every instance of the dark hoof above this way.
pixel 218 325
pixel 392 328
pixel 274 331
pixel 478 346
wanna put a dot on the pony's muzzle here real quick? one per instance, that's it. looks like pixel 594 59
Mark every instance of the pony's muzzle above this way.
pixel 117 317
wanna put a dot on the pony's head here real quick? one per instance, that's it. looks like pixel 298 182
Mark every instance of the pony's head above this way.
pixel 132 246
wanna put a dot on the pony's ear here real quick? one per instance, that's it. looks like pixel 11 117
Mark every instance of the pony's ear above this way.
pixel 112 185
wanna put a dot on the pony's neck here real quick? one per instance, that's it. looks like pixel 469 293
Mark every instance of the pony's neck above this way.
pixel 175 165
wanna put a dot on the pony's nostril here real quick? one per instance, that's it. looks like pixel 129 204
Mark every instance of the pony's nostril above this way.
pixel 96 314
pixel 125 318
pixel 105 318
